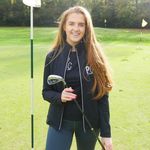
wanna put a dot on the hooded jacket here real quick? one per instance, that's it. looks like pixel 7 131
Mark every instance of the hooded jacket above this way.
pixel 97 111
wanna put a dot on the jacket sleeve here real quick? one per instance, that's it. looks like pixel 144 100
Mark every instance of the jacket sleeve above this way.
pixel 104 114
pixel 50 95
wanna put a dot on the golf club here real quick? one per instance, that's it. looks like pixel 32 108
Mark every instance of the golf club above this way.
pixel 54 79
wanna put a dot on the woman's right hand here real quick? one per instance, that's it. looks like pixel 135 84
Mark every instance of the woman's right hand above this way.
pixel 68 95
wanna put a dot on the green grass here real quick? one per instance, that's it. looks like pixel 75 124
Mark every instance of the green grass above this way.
pixel 129 101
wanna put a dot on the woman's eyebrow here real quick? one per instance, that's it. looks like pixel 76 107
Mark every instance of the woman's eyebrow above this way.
pixel 82 23
pixel 75 22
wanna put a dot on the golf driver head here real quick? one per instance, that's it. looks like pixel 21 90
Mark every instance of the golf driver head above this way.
pixel 54 79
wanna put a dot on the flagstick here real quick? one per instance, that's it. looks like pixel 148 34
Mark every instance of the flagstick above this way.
pixel 141 36
pixel 32 85
pixel 32 4
pixel 140 43
pixel 144 23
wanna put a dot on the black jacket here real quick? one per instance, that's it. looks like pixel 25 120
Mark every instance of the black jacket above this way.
pixel 96 111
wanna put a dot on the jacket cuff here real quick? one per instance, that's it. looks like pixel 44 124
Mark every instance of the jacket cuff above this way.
pixel 52 97
pixel 106 133
pixel 58 99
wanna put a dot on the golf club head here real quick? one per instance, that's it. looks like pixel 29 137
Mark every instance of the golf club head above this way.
pixel 54 79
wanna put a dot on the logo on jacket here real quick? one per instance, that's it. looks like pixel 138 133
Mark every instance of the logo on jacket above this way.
pixel 69 65
pixel 87 73
pixel 88 70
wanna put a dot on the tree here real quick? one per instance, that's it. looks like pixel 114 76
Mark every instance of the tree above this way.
pixel 110 13
pixel 13 2
pixel 97 12
pixel 118 13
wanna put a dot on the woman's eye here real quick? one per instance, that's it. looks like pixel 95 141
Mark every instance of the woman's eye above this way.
pixel 71 23
pixel 81 24
pixel 76 24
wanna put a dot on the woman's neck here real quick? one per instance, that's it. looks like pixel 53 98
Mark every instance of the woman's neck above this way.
pixel 73 45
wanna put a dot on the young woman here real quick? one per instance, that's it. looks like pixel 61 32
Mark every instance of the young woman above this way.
pixel 77 57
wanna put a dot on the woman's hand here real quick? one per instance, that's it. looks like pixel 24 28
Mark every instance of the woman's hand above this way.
pixel 107 142
pixel 67 95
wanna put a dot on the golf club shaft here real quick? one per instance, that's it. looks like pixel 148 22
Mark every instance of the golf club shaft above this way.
pixel 88 122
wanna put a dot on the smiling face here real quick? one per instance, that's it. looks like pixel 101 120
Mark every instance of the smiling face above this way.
pixel 74 28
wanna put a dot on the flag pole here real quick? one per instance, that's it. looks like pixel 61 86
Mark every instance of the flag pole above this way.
pixel 32 4
pixel 32 83
pixel 143 24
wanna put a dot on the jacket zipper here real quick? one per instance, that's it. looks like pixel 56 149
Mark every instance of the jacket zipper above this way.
pixel 61 119
pixel 81 89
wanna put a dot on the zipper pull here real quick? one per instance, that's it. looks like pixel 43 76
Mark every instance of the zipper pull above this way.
pixel 73 49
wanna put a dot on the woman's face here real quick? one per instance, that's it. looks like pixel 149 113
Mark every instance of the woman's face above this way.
pixel 74 28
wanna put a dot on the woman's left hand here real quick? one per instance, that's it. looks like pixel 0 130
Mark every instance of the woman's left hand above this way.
pixel 107 142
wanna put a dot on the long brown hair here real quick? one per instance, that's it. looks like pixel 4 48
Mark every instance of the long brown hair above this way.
pixel 95 57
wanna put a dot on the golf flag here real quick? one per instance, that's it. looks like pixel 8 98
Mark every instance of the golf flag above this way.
pixel 144 23
pixel 32 3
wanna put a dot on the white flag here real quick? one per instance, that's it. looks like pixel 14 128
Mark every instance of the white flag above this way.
pixel 32 3
pixel 144 23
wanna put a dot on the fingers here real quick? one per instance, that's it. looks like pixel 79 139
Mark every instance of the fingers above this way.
pixel 108 147
pixel 107 142
pixel 68 95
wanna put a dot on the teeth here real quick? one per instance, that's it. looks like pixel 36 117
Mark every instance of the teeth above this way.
pixel 75 35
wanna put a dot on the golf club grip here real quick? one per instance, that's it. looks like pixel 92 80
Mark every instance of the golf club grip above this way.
pixel 103 148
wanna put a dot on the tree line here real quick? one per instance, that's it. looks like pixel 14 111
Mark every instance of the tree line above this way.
pixel 105 13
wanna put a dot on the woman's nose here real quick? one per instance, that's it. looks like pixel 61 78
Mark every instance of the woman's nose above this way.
pixel 76 27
